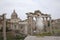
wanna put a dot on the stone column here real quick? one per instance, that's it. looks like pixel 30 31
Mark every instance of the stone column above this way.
pixel 30 24
pixel 4 27
pixel 50 25
pixel 53 24
pixel 47 24
pixel 36 26
pixel 43 18
pixel 26 31
pixel 44 23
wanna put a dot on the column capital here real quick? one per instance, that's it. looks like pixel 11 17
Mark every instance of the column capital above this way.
pixel 46 18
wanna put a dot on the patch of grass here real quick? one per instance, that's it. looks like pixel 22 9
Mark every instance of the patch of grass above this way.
pixel 44 34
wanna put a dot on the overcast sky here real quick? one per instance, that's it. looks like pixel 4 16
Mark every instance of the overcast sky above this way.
pixel 24 6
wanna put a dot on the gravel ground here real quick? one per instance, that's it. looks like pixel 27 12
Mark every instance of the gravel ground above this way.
pixel 42 38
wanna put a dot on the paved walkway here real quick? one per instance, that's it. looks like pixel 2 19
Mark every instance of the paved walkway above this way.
pixel 42 38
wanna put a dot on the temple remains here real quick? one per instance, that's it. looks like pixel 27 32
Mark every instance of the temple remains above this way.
pixel 31 25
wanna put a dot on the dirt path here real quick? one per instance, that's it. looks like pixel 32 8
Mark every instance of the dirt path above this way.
pixel 42 38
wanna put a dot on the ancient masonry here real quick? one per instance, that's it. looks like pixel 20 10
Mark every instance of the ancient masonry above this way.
pixel 27 26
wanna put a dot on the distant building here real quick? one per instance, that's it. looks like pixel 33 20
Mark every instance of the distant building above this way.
pixel 56 24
